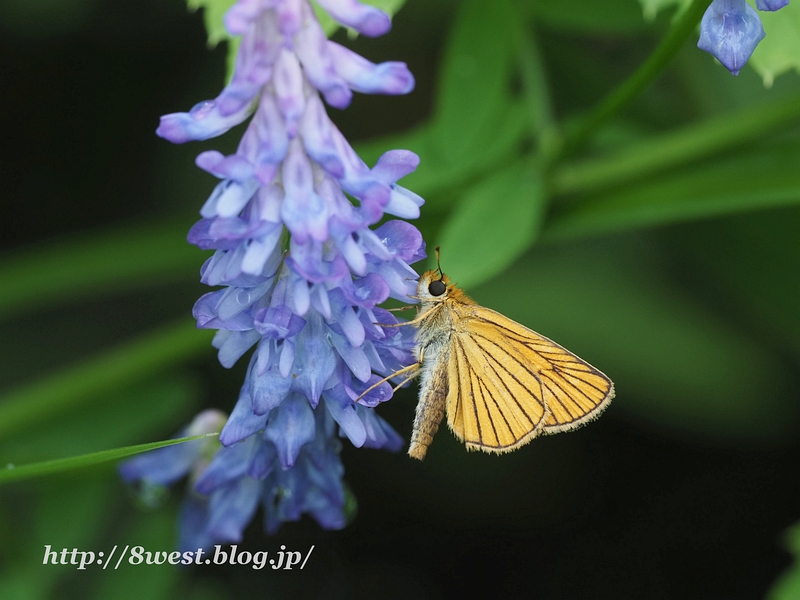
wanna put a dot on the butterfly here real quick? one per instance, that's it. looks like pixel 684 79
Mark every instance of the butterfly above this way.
pixel 500 384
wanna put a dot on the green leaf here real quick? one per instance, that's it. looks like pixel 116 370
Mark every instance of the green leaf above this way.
pixel 675 363
pixel 213 12
pixel 475 75
pixel 787 586
pixel 59 465
pixel 493 224
pixel 779 51
pixel 610 16
pixel 74 386
pixel 104 262
pixel 758 178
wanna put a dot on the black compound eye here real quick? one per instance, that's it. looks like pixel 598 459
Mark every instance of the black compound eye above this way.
pixel 437 288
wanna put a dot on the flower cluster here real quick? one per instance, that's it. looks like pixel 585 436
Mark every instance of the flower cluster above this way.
pixel 302 271
pixel 730 30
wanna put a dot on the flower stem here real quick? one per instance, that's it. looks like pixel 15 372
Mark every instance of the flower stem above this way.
pixel 633 86
pixel 676 148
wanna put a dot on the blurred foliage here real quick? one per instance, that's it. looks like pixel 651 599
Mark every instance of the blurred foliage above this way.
pixel 643 213
pixel 41 18
pixel 787 587
pixel 213 13
pixel 780 51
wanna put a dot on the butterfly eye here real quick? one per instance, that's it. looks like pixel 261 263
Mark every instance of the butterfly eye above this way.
pixel 437 288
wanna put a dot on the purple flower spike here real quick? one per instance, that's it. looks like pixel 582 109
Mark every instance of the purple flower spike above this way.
pixel 243 422
pixel 301 274
pixel 202 122
pixel 193 524
pixel 289 89
pixel 253 70
pixel 314 53
pixel 317 133
pixel 228 465
pixel 367 20
pixel 403 203
pixel 231 508
pixel 241 16
pixel 379 434
pixel 730 30
pixel 368 78
pixel 394 165
pixel 166 465
pixel 771 5
pixel 304 212
pixel 290 428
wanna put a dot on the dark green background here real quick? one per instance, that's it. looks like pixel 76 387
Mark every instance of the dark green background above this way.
pixel 681 490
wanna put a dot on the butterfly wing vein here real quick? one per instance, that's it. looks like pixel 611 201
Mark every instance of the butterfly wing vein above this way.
pixel 508 384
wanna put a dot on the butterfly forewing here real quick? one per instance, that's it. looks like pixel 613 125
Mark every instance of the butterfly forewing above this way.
pixel 508 383
pixel 489 405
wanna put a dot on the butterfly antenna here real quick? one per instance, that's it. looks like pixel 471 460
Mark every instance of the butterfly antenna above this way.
pixel 438 266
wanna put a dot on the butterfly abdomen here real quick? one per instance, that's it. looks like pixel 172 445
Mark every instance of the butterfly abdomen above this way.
pixel 432 395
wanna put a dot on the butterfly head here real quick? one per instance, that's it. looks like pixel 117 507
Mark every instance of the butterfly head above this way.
pixel 434 286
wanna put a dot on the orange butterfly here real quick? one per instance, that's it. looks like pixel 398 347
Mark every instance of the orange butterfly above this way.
pixel 500 383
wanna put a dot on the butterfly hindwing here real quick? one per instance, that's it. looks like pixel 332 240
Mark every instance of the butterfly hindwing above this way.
pixel 508 384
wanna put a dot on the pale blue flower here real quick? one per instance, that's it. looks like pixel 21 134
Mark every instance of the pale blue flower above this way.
pixel 771 5
pixel 731 29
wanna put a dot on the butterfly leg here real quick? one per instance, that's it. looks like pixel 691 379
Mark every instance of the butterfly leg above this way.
pixel 418 319
pixel 389 325
pixel 402 308
pixel 412 368
pixel 407 379
pixel 401 324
